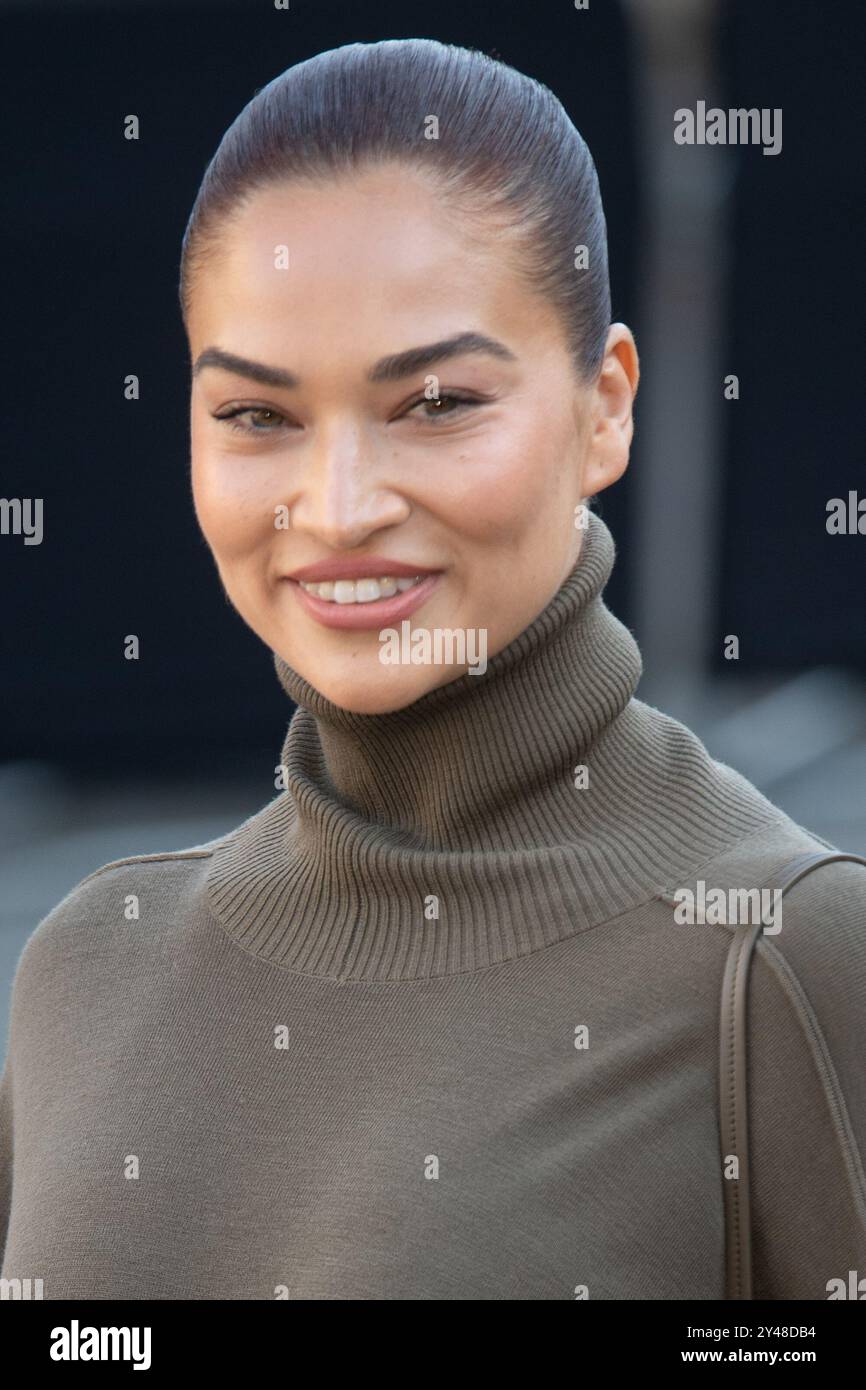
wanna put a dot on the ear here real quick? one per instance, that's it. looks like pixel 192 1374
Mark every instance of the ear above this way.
pixel 612 422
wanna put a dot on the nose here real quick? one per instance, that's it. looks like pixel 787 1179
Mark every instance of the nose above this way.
pixel 344 495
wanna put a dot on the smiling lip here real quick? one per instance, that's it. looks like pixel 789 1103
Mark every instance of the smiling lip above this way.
pixel 359 617
pixel 371 567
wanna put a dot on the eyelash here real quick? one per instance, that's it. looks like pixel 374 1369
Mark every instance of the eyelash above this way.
pixel 233 416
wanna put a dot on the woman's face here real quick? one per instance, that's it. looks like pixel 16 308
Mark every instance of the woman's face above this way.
pixel 336 439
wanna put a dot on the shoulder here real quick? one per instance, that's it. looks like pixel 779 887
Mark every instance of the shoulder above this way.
pixel 819 934
pixel 824 899
pixel 167 889
pixel 818 953
pixel 86 921
pixel 807 995
pixel 816 896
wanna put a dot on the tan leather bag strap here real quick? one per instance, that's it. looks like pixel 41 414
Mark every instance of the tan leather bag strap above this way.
pixel 733 1078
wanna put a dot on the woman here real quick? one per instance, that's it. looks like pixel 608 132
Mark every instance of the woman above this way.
pixel 431 1024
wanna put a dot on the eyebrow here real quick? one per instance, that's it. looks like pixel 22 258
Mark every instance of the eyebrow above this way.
pixel 394 368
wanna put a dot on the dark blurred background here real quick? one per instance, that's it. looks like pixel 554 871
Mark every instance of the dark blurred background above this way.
pixel 723 260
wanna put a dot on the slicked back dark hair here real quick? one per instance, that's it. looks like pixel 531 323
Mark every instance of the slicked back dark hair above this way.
pixel 506 155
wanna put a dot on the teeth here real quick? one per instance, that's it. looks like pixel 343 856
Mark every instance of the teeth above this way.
pixel 360 590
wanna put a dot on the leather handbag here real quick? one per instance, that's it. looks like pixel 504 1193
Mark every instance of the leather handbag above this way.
pixel 734 1073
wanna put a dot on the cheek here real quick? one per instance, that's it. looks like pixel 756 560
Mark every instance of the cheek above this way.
pixel 506 486
pixel 235 515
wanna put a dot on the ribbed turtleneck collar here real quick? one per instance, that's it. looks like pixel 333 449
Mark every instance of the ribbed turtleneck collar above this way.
pixel 467 803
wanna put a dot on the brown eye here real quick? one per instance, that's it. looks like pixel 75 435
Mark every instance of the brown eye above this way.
pixel 440 406
pixel 270 415
pixel 273 419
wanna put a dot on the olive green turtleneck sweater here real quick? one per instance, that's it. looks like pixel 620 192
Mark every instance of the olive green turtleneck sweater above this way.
pixel 427 1027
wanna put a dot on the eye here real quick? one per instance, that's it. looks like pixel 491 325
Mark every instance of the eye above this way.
pixel 234 415
pixel 445 405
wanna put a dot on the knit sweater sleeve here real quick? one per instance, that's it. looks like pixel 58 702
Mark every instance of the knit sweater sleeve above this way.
pixel 5 1152
pixel 807 1090
pixel 48 958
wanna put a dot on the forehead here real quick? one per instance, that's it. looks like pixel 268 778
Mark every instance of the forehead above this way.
pixel 376 259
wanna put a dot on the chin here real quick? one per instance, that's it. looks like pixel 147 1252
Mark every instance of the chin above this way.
pixel 382 692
